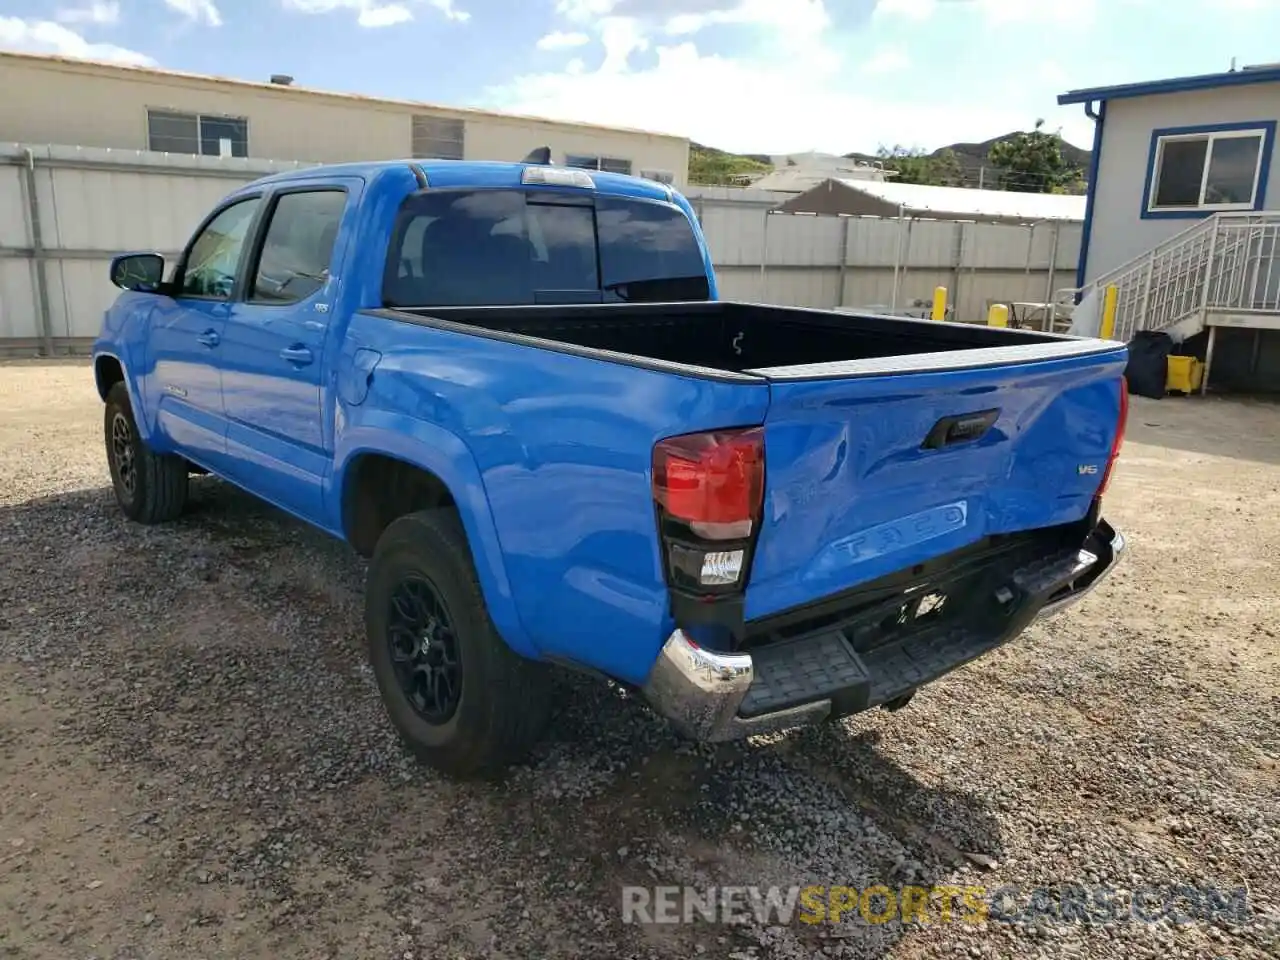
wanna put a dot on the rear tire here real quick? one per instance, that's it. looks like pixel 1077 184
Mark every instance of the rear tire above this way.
pixel 459 698
pixel 150 487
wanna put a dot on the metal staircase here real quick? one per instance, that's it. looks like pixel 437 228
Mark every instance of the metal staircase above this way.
pixel 1223 270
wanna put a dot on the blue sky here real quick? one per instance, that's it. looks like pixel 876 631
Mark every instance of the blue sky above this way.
pixel 768 76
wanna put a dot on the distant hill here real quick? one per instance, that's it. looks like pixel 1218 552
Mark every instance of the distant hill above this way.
pixel 972 157
pixel 711 165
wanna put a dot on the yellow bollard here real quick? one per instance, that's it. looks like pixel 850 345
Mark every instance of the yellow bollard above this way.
pixel 998 315
pixel 939 303
pixel 1107 329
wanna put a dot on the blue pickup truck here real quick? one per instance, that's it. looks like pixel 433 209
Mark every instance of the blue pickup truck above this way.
pixel 512 386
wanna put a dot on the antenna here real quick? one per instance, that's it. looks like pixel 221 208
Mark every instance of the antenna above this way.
pixel 540 155
pixel 1233 65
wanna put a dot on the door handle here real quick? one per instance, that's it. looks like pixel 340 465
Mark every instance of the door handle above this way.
pixel 210 338
pixel 296 354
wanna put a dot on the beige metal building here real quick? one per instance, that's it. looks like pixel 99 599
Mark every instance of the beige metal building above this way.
pixel 82 103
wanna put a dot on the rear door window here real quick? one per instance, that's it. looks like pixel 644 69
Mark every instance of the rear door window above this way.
pixel 512 247
pixel 294 262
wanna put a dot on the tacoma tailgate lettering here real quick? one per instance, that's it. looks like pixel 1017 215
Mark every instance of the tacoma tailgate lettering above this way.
pixel 885 538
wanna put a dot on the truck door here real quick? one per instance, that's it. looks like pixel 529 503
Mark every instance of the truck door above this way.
pixel 274 349
pixel 186 334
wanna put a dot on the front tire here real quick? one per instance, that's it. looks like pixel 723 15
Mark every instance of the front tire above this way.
pixel 150 487
pixel 459 698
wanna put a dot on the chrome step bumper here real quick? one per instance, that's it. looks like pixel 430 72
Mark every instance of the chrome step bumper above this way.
pixel 715 696
pixel 1093 571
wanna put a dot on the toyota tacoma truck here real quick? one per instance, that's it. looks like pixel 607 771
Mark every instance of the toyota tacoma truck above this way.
pixel 512 386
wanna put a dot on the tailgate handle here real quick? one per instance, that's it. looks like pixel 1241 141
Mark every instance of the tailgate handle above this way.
pixel 960 428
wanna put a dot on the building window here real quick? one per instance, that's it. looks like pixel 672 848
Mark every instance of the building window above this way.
pixel 438 138
pixel 607 164
pixel 659 176
pixel 205 134
pixel 1204 169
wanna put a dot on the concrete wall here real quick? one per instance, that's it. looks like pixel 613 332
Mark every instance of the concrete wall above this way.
pixel 93 203
pixel 1119 232
pixel 95 105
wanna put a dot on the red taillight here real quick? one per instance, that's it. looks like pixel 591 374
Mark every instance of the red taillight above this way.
pixel 1119 440
pixel 713 481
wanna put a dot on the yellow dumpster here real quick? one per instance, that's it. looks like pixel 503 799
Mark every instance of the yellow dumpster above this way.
pixel 1185 375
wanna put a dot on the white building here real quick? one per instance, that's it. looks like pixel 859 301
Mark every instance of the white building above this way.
pixel 58 100
pixel 1183 215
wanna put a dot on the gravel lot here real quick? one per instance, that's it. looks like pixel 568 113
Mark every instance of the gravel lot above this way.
pixel 194 763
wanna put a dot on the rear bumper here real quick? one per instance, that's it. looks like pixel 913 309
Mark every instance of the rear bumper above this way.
pixel 1093 572
pixel 717 696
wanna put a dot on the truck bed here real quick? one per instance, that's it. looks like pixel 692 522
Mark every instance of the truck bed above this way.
pixel 769 341
pixel 889 441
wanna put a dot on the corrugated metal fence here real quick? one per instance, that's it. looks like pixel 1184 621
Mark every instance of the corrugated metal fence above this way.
pixel 64 211
pixel 858 261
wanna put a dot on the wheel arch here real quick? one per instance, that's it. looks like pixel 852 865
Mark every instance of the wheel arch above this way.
pixel 397 465
pixel 108 370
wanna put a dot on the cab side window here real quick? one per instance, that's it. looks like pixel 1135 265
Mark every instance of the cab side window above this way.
pixel 210 270
pixel 298 248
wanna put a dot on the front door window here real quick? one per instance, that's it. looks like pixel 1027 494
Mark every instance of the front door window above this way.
pixel 210 271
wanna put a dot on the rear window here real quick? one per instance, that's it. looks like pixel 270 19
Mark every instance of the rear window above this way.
pixel 511 247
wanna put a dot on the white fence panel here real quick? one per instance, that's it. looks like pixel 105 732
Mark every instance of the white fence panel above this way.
pixel 804 241
pixel 931 243
pixel 735 235
pixel 802 287
pixel 993 245
pixel 874 242
pixel 79 292
pixel 1069 239
pixel 15 228
pixel 19 317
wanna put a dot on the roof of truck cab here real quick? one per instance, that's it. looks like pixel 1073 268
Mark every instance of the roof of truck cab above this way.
pixel 467 173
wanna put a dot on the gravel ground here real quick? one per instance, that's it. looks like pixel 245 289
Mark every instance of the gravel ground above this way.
pixel 195 764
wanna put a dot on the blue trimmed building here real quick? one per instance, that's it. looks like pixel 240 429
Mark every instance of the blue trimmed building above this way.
pixel 1183 213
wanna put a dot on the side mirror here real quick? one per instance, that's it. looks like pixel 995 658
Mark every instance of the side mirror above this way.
pixel 142 272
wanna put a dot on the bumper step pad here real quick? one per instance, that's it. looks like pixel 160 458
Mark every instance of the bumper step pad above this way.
pixel 825 666
pixel 798 671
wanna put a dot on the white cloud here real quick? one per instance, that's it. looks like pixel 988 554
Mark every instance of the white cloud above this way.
pixel 96 11
pixel 371 13
pixel 886 60
pixel 621 36
pixel 561 40
pixel 388 16
pixel 45 36
pixel 1062 12
pixel 1000 12
pixel 778 105
pixel 794 17
pixel 201 11
pixel 450 11
pixel 909 9
pixel 797 87
pixel 585 11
